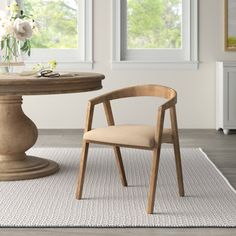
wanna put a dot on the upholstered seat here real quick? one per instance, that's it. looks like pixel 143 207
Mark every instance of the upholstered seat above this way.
pixel 141 136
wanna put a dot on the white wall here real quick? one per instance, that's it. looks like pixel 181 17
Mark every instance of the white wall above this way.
pixel 196 89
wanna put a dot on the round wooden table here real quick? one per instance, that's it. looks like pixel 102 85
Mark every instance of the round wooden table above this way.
pixel 18 133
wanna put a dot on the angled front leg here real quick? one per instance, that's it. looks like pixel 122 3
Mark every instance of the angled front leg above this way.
pixel 153 179
pixel 84 154
pixel 82 169
pixel 179 172
pixel 155 161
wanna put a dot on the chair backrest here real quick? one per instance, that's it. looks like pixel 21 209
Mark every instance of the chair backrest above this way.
pixel 150 90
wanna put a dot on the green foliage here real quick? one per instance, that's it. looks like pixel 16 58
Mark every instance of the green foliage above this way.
pixel 9 49
pixel 26 47
pixel 151 23
pixel 57 20
pixel 154 23
pixel 232 41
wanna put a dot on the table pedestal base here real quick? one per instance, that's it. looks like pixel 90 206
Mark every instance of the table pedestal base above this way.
pixel 29 168
pixel 18 134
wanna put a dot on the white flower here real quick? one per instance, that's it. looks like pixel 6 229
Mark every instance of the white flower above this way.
pixel 22 29
pixel 8 26
pixel 34 26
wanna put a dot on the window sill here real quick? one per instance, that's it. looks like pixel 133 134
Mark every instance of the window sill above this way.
pixel 185 65
pixel 65 66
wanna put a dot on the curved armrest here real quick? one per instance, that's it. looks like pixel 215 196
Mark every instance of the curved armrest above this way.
pixel 100 99
pixel 90 112
pixel 170 103
pixel 89 117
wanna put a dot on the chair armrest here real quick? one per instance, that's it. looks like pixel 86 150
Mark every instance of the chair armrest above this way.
pixel 90 111
pixel 161 117
pixel 170 103
pixel 100 99
pixel 89 117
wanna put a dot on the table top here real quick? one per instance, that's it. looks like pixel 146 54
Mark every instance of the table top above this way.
pixel 74 82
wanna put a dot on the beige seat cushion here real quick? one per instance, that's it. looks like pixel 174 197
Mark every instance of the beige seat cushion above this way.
pixel 125 135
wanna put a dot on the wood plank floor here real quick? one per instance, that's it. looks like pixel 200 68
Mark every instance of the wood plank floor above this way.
pixel 221 150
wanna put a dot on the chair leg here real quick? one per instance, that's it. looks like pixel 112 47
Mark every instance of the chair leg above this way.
pixel 120 165
pixel 82 169
pixel 153 179
pixel 177 150
pixel 178 166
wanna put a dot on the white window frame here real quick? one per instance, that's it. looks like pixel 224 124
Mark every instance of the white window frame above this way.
pixel 70 59
pixel 184 58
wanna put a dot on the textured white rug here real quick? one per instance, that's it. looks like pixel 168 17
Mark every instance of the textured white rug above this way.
pixel 50 202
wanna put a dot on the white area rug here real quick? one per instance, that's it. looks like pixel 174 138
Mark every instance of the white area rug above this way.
pixel 50 202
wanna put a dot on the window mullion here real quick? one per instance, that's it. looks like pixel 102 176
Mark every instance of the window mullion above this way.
pixel 186 29
pixel 88 31
pixel 117 30
pixel 124 33
pixel 81 28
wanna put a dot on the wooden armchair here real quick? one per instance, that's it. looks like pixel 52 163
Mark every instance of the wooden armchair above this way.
pixel 134 136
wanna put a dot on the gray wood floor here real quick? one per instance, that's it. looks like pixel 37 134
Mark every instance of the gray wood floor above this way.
pixel 221 150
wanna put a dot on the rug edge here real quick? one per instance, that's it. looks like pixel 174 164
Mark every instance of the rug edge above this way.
pixel 218 171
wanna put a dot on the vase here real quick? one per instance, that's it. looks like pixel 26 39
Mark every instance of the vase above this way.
pixel 12 67
pixel 11 56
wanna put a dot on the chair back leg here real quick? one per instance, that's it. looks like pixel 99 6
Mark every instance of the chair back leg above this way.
pixel 119 162
pixel 179 168
pixel 83 162
pixel 120 165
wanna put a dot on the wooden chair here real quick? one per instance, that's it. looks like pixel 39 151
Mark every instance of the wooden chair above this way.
pixel 134 136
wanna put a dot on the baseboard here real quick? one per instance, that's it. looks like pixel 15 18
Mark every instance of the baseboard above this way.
pixel 60 131
pixel 80 131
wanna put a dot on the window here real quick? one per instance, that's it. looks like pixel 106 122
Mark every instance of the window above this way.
pixel 65 31
pixel 155 33
pixel 58 28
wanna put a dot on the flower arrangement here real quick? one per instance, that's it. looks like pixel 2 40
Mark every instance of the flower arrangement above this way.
pixel 51 65
pixel 41 68
pixel 16 30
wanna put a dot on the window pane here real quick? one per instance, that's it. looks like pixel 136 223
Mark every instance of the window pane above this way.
pixel 154 23
pixel 58 23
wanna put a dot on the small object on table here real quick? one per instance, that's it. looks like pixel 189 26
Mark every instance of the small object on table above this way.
pixel 48 74
pixel 38 74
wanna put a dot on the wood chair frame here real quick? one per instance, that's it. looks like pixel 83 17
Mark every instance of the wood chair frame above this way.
pixel 173 137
